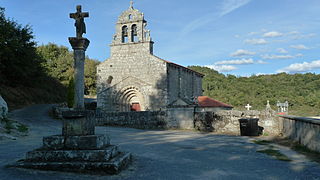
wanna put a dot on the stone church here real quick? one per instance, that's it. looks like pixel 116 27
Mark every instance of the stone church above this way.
pixel 134 79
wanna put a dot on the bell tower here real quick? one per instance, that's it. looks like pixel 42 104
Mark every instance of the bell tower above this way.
pixel 131 29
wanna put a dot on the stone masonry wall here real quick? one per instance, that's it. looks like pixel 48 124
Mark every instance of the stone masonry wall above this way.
pixel 227 121
pixel 129 65
pixel 140 120
pixel 180 118
pixel 306 131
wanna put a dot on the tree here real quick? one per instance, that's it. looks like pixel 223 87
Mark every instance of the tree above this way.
pixel 19 62
pixel 58 62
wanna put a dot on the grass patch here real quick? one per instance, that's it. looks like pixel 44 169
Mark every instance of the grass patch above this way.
pixel 312 155
pixel 22 128
pixel 8 126
pixel 275 153
pixel 262 142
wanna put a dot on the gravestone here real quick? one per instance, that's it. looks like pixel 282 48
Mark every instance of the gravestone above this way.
pixel 78 148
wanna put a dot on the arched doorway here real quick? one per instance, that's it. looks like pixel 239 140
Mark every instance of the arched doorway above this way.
pixel 130 99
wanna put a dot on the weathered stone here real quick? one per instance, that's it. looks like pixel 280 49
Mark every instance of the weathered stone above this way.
pixel 133 76
pixel 89 142
pixel 113 166
pixel 53 142
pixel 79 45
pixel 306 131
pixel 100 155
pixel 77 123
pixel 3 108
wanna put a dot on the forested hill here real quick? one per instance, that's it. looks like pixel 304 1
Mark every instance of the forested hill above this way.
pixel 32 74
pixel 302 91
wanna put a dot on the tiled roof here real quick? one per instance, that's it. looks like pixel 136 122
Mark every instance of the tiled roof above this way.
pixel 205 101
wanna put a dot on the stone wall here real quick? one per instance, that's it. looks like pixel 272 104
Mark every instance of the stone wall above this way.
pixel 183 82
pixel 306 131
pixel 180 118
pixel 140 120
pixel 227 121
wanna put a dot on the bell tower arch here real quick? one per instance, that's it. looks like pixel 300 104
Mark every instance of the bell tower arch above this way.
pixel 131 28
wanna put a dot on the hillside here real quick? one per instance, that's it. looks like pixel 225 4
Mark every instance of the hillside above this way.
pixel 302 91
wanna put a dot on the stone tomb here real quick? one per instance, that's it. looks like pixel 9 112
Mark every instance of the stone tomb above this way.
pixel 78 149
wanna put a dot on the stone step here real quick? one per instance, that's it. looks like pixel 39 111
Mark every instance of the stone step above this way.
pixel 59 142
pixel 114 166
pixel 44 155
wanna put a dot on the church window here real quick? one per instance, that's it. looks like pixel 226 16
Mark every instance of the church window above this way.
pixel 124 34
pixel 134 33
pixel 130 17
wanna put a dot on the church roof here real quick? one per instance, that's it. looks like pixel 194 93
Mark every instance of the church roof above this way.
pixel 205 101
pixel 179 66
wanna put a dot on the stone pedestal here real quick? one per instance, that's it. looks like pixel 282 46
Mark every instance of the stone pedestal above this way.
pixel 79 46
pixel 78 149
pixel 77 123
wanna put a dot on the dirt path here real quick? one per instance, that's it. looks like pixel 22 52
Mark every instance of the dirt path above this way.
pixel 159 154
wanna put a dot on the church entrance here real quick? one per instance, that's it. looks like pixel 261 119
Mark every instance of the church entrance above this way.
pixel 135 107
pixel 130 99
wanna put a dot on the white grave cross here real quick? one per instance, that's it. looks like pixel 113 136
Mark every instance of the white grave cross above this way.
pixel 248 107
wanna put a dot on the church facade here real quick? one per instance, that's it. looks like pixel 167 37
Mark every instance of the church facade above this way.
pixel 133 79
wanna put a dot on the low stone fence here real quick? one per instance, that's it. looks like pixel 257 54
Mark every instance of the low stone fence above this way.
pixel 306 131
pixel 141 120
pixel 227 121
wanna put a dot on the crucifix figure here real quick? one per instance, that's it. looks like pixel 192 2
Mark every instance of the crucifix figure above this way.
pixel 248 107
pixel 79 17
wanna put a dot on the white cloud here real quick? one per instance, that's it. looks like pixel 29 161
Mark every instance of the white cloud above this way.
pixel 235 62
pixel 299 46
pixel 242 52
pixel 282 50
pixel 293 32
pixel 301 67
pixel 261 62
pixel 223 68
pixel 252 33
pixel 303 36
pixel 226 7
pixel 267 56
pixel 272 34
pixel 256 41
pixel 230 5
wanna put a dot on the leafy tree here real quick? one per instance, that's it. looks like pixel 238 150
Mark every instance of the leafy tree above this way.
pixel 58 62
pixel 19 62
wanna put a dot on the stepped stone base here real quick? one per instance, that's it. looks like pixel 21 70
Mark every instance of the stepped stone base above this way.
pixel 89 153
pixel 114 166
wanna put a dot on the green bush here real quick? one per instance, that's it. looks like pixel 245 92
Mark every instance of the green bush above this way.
pixel 70 95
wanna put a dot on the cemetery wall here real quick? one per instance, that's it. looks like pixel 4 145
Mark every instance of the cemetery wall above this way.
pixel 227 121
pixel 306 131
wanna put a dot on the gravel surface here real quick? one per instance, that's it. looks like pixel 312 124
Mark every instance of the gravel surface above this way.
pixel 160 154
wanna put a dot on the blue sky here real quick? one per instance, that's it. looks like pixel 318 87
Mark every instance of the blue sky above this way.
pixel 240 37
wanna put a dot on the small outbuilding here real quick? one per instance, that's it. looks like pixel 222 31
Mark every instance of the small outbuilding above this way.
pixel 206 103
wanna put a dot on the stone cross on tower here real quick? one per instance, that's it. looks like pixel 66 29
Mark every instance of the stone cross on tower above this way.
pixel 248 107
pixel 131 4
pixel 79 17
